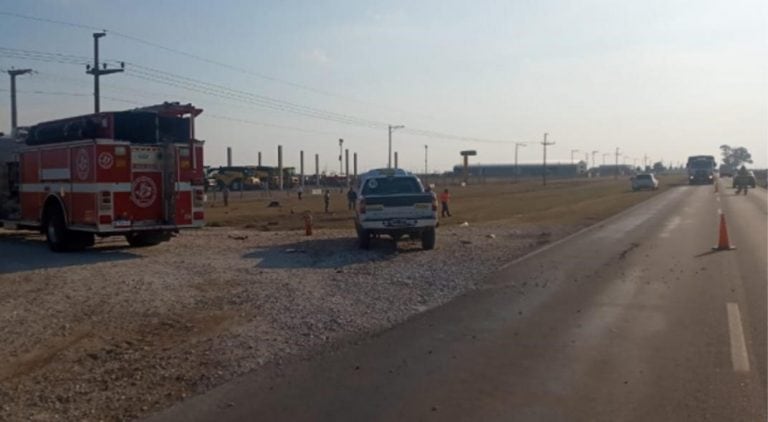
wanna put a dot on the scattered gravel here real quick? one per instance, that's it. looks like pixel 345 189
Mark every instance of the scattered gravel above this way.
pixel 117 333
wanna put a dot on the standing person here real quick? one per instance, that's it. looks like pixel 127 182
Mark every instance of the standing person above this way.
pixel 225 195
pixel 327 199
pixel 300 191
pixel 445 197
pixel 351 198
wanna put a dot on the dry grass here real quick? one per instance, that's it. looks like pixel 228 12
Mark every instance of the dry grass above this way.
pixel 565 202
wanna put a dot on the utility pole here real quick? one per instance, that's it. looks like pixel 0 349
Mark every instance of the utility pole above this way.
pixel 96 72
pixel 301 167
pixel 346 165
pixel 544 170
pixel 280 167
pixel 616 174
pixel 426 155
pixel 354 165
pixel 317 169
pixel 396 166
pixel 593 157
pixel 391 128
pixel 259 159
pixel 573 151
pixel 13 73
pixel 517 170
pixel 341 153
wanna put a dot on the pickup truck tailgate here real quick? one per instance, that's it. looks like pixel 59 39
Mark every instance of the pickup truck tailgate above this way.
pixel 406 207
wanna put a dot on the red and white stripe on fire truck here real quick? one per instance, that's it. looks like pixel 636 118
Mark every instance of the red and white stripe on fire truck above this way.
pixel 105 185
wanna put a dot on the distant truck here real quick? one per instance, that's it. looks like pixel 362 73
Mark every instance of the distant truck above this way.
pixel 726 171
pixel 701 169
pixel 235 178
pixel 393 202
pixel 136 173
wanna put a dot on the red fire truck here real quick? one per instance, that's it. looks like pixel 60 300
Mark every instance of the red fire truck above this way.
pixel 135 173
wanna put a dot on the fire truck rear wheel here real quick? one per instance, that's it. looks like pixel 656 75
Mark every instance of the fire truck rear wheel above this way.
pixel 56 233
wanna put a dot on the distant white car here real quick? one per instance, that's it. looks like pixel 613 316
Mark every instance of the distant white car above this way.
pixel 645 181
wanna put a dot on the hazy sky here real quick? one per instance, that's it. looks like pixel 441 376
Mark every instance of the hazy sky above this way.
pixel 664 78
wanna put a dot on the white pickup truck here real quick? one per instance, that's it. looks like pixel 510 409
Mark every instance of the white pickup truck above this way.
pixel 393 202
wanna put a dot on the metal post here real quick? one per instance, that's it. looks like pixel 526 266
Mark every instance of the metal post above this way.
pixel 466 169
pixel 354 164
pixel 96 71
pixel 341 143
pixel 317 169
pixel 389 155
pixel 13 74
pixel 229 156
pixel 517 169
pixel 96 36
pixel 280 167
pixel 544 169
pixel 572 151
pixel 301 167
pixel 389 149
pixel 346 165
pixel 396 166
pixel 259 159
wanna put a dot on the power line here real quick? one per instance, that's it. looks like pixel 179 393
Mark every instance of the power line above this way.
pixel 202 59
pixel 211 115
pixel 211 89
pixel 184 82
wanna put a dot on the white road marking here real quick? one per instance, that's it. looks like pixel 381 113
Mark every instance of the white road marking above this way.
pixel 671 224
pixel 739 356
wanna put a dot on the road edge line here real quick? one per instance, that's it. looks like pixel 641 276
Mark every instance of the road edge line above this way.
pixel 580 232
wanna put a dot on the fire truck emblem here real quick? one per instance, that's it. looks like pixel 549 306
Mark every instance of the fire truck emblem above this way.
pixel 105 160
pixel 82 164
pixel 143 191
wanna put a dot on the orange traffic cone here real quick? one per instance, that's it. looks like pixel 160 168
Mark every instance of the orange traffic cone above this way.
pixel 723 244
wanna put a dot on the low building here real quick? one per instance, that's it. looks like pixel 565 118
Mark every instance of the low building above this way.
pixel 613 169
pixel 554 170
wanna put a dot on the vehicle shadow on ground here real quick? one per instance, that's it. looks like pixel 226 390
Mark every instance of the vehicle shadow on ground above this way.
pixel 26 252
pixel 329 253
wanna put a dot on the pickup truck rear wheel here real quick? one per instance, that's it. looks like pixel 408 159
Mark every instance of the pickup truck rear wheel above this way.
pixel 364 238
pixel 428 239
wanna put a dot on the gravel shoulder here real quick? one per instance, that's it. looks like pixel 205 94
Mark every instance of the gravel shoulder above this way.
pixel 117 333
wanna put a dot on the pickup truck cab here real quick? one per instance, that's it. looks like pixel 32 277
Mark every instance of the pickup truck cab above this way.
pixel 393 202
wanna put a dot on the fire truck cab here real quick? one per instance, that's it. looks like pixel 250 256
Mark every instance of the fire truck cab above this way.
pixel 136 173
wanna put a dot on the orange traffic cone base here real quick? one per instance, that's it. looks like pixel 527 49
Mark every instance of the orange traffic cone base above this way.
pixel 727 248
pixel 723 244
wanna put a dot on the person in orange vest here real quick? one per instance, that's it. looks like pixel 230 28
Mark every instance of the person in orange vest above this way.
pixel 445 197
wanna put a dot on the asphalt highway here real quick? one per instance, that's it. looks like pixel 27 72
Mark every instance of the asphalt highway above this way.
pixel 633 319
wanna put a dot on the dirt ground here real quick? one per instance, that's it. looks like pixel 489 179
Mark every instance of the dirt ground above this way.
pixel 115 333
pixel 570 201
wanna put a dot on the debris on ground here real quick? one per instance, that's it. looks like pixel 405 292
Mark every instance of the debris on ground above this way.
pixel 117 334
